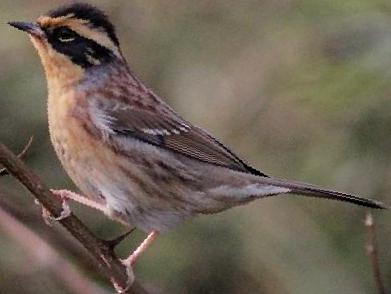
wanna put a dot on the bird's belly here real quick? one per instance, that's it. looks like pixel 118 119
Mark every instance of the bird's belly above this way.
pixel 142 190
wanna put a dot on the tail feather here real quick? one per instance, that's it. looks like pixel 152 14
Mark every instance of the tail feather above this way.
pixel 334 195
pixel 313 191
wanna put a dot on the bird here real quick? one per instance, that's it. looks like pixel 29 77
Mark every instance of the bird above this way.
pixel 129 153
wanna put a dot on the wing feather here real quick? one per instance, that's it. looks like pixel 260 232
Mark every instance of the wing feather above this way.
pixel 162 127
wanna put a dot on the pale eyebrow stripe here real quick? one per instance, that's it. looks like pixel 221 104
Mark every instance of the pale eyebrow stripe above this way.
pixel 81 27
pixel 98 35
pixel 47 21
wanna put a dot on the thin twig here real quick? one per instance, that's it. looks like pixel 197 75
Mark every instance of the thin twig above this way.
pixel 373 253
pixel 104 256
pixel 4 171
pixel 43 254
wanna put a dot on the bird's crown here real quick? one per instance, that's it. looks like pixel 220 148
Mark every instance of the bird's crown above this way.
pixel 87 14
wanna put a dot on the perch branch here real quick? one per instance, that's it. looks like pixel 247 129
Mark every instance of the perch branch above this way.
pixel 43 254
pixel 373 253
pixel 59 242
pixel 102 253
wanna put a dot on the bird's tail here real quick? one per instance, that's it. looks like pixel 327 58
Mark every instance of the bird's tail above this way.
pixel 313 191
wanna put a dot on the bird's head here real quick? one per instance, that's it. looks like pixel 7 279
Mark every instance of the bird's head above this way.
pixel 73 39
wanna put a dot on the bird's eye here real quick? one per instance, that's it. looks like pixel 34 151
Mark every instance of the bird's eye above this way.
pixel 65 35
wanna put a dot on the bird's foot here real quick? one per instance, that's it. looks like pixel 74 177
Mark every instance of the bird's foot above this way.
pixel 119 289
pixel 66 194
pixel 48 217
pixel 131 260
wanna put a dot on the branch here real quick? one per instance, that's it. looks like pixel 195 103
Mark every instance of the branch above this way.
pixel 4 171
pixel 44 254
pixel 59 242
pixel 101 251
pixel 373 252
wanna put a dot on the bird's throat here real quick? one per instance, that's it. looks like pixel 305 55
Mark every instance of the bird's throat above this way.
pixel 60 71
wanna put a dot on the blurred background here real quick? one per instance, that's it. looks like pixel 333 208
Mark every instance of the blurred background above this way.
pixel 301 89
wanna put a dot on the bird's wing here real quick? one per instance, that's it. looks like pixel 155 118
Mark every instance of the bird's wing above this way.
pixel 161 127
pixel 158 125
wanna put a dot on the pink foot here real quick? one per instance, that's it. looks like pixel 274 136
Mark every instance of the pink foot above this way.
pixel 47 217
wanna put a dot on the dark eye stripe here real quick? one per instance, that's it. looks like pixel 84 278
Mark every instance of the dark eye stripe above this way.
pixel 82 51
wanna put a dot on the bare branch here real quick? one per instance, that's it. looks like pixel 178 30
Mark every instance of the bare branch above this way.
pixel 44 254
pixel 372 252
pixel 104 256
pixel 33 221
pixel 4 171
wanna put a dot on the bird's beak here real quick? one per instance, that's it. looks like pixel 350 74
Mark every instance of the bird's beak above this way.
pixel 32 28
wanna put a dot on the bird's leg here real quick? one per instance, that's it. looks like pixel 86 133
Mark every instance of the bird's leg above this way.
pixel 66 211
pixel 131 260
pixel 66 194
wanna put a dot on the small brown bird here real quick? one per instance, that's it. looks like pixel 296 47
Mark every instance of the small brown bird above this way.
pixel 130 153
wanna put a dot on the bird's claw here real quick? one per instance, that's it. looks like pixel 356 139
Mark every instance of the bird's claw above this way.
pixel 65 212
pixel 48 217
pixel 129 282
